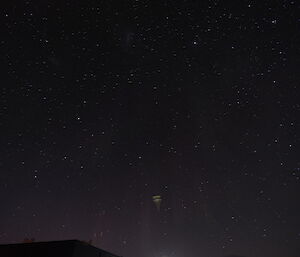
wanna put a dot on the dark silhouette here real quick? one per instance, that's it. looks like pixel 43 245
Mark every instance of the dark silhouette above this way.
pixel 68 248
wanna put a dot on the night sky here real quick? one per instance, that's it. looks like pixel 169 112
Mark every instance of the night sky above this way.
pixel 105 104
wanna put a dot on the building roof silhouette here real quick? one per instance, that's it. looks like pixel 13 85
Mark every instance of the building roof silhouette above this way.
pixel 67 248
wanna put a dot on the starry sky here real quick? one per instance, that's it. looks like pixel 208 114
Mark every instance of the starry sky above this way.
pixel 105 104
